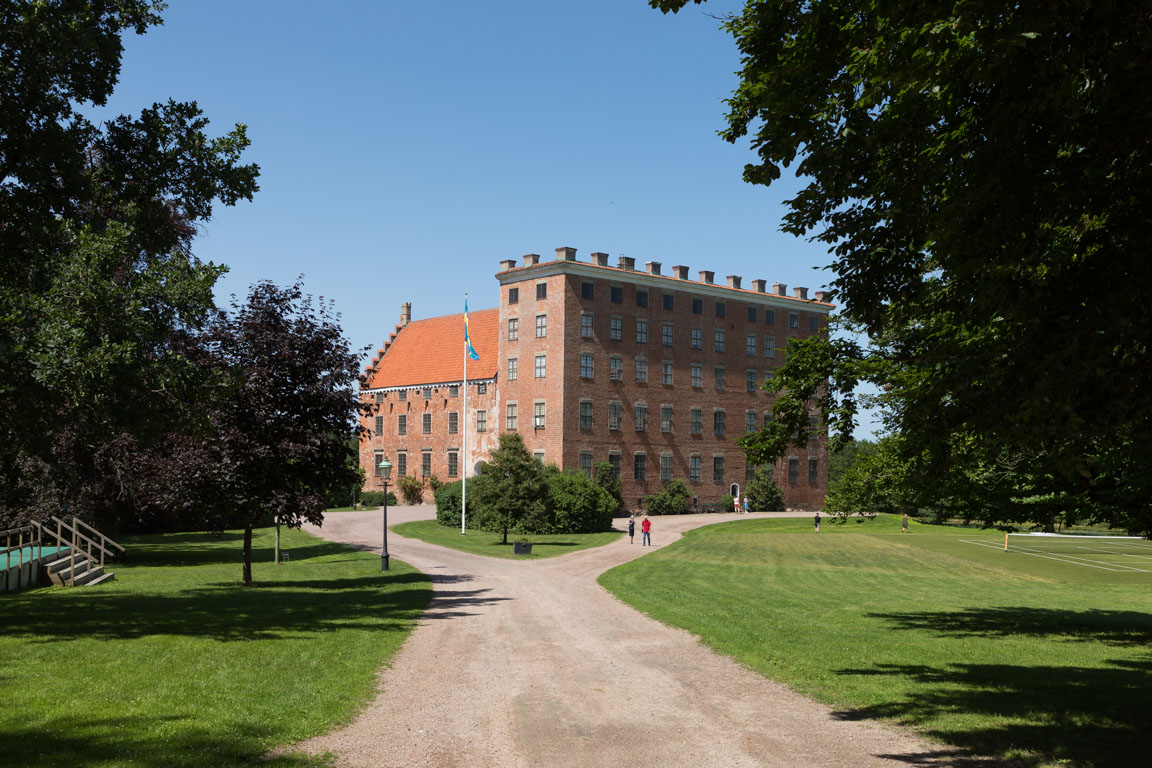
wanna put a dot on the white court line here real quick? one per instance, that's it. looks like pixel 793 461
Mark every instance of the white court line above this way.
pixel 1099 551
pixel 1071 559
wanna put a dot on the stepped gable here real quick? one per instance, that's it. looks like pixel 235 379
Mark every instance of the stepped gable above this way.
pixel 432 351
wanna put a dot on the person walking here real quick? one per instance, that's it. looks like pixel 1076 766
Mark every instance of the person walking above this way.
pixel 904 524
pixel 745 505
pixel 817 522
pixel 646 530
pixel 631 529
pixel 736 504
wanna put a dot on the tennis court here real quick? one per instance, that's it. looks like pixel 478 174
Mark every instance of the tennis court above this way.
pixel 1109 553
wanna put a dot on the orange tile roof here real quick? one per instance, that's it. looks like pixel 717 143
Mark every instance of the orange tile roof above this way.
pixel 432 351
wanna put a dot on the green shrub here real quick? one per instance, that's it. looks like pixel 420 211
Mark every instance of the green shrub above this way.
pixel 434 483
pixel 376 499
pixel 412 488
pixel 571 503
pixel 606 479
pixel 764 495
pixel 576 504
pixel 448 503
pixel 673 500
pixel 726 502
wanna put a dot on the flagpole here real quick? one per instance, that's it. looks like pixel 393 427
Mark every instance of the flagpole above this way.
pixel 464 462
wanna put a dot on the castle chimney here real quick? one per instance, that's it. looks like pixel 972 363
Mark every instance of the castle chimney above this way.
pixel 653 267
pixel 601 258
pixel 405 313
pixel 800 292
pixel 680 271
pixel 780 289
pixel 627 262
pixel 507 264
pixel 565 254
pixel 824 296
pixel 706 276
pixel 760 286
pixel 734 281
pixel 531 259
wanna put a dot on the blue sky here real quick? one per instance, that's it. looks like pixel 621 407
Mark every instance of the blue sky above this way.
pixel 407 148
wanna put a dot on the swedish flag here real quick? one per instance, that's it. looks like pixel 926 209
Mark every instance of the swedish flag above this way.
pixel 468 342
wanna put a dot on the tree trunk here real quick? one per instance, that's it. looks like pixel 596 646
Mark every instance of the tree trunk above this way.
pixel 247 580
pixel 276 553
pixel 505 535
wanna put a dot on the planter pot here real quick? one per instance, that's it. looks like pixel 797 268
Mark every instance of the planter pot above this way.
pixel 521 549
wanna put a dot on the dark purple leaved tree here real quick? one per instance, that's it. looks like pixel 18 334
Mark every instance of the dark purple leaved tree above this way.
pixel 277 438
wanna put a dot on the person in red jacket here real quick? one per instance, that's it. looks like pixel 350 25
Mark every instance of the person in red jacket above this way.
pixel 646 529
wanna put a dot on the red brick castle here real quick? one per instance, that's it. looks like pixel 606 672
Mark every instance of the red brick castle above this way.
pixel 657 374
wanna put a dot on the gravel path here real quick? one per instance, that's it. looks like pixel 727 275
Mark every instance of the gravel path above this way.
pixel 533 664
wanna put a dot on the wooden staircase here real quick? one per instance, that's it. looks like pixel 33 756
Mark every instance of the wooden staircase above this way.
pixel 66 571
pixel 82 553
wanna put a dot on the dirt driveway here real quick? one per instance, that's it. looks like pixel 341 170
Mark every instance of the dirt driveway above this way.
pixel 520 663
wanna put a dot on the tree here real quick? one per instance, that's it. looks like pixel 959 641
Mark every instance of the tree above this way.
pixel 96 226
pixel 764 495
pixel 981 175
pixel 277 437
pixel 514 484
pixel 607 478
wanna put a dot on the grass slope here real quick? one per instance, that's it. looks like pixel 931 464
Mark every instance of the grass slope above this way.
pixel 995 654
pixel 488 544
pixel 175 664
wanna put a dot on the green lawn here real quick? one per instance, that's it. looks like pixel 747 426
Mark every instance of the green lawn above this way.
pixel 175 664
pixel 993 653
pixel 488 544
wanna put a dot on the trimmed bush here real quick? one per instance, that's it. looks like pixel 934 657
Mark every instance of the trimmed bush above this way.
pixel 673 500
pixel 764 495
pixel 572 503
pixel 376 499
pixel 448 503
pixel 606 479
pixel 576 504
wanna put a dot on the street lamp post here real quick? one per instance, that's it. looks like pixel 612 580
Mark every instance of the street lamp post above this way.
pixel 385 468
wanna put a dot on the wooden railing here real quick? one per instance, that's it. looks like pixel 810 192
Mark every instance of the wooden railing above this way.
pixel 79 544
pixel 33 540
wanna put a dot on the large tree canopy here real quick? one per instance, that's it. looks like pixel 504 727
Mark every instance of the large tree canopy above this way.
pixel 96 226
pixel 981 173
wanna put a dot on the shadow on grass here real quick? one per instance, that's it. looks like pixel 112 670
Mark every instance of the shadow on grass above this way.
pixel 1039 715
pixel 225 612
pixel 140 740
pixel 204 549
pixel 1120 628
